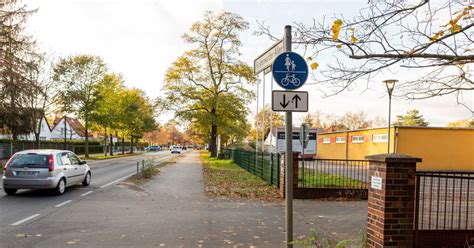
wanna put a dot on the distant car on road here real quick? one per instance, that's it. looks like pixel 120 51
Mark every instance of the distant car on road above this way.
pixel 152 148
pixel 44 169
pixel 176 149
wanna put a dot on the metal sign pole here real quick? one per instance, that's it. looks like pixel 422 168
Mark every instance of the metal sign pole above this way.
pixel 288 159
pixel 263 114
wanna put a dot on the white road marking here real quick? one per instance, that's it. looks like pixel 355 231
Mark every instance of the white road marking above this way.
pixel 63 203
pixel 25 219
pixel 118 180
pixel 87 193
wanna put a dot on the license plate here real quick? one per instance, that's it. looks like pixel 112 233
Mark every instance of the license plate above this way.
pixel 27 173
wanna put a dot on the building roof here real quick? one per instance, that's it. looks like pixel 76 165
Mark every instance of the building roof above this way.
pixel 74 123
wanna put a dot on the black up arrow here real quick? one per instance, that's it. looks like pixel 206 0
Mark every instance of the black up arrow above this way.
pixel 296 98
pixel 284 103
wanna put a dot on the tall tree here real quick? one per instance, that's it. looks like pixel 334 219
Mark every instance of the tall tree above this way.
pixel 41 97
pixel 18 60
pixel 432 39
pixel 136 115
pixel 78 77
pixel 314 120
pixel 198 80
pixel 412 118
pixel 462 123
pixel 106 111
pixel 355 120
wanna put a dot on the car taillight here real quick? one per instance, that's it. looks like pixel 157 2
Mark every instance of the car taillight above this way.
pixel 51 162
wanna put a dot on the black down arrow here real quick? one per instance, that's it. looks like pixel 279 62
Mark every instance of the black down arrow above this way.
pixel 284 103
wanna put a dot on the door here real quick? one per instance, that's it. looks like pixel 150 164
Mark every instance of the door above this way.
pixel 67 167
pixel 78 169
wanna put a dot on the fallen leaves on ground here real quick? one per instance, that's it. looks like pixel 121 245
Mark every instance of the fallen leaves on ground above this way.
pixel 223 178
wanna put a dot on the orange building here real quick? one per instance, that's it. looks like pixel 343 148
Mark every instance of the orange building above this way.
pixel 440 148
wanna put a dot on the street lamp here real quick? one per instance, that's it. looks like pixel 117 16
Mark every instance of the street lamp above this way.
pixel 390 83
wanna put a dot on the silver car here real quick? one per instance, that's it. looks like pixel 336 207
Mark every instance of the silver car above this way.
pixel 44 169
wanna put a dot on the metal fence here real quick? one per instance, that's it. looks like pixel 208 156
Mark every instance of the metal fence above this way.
pixel 264 165
pixel 444 207
pixel 333 173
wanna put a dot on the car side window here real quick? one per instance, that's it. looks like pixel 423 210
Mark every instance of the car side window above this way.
pixel 65 159
pixel 74 159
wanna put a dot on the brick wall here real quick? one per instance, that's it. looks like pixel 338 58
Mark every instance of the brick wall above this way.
pixel 391 208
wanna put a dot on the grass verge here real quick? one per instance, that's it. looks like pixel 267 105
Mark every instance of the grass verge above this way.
pixel 151 169
pixel 102 157
pixel 328 180
pixel 223 177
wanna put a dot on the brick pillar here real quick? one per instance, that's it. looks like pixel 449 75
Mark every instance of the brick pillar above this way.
pixel 282 173
pixel 391 208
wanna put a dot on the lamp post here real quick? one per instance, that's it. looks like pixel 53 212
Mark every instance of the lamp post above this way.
pixel 390 83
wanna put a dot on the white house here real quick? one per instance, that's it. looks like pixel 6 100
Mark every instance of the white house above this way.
pixel 74 130
pixel 45 132
pixel 69 127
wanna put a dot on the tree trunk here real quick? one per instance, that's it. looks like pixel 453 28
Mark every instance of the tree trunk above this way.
pixel 65 133
pixel 111 144
pixel 105 142
pixel 37 140
pixel 131 144
pixel 87 136
pixel 213 143
pixel 123 145
pixel 37 131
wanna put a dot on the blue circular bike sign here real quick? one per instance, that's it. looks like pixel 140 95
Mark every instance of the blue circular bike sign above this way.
pixel 290 70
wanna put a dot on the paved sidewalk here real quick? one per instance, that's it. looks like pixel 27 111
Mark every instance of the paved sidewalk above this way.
pixel 173 211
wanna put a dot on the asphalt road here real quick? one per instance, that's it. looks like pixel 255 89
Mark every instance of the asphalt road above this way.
pixel 172 210
pixel 28 205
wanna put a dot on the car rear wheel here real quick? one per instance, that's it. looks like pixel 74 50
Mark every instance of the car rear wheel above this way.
pixel 10 191
pixel 87 179
pixel 61 187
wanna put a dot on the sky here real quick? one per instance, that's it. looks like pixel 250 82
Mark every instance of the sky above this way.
pixel 140 39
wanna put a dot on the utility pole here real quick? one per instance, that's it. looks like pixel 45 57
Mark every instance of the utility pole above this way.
pixel 288 159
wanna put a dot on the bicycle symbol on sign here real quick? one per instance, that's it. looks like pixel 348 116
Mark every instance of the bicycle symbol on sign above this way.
pixel 290 78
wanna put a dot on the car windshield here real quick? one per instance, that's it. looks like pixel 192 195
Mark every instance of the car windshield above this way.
pixel 30 160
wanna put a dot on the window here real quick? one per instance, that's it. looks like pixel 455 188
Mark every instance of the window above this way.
pixel 340 140
pixel 326 140
pixel 74 159
pixel 357 139
pixel 65 159
pixel 380 138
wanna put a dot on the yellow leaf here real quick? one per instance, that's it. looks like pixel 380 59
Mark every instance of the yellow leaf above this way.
pixel 339 46
pixel 455 28
pixel 437 35
pixel 314 65
pixel 353 39
pixel 336 28
pixel 309 58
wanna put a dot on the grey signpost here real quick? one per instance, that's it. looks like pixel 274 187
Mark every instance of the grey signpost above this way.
pixel 290 71
pixel 288 159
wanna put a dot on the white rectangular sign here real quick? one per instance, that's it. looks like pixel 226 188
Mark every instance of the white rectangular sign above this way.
pixel 310 150
pixel 376 182
pixel 291 101
pixel 265 60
